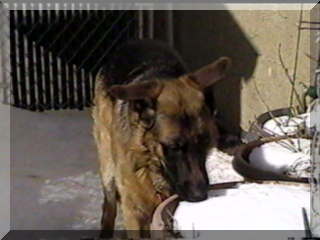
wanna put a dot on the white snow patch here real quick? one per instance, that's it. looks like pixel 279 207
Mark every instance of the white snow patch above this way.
pixel 279 157
pixel 86 186
pixel 219 167
pixel 249 207
pixel 284 125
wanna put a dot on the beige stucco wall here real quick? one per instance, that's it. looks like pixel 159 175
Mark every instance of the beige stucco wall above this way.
pixel 251 39
pixel 268 29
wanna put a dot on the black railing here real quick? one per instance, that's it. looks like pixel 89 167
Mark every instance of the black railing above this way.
pixel 56 54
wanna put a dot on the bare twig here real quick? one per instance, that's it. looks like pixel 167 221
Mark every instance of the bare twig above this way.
pixel 273 117
pixel 290 146
pixel 311 57
pixel 296 58
pixel 266 105
pixel 291 79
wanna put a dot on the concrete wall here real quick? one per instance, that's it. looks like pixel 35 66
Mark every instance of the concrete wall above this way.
pixel 251 39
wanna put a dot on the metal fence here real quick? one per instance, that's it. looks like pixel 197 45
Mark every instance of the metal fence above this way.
pixel 54 54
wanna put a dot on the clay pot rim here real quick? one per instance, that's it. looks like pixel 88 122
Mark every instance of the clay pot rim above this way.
pixel 241 164
pixel 257 127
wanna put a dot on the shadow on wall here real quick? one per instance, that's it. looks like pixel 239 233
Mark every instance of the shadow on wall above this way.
pixel 203 36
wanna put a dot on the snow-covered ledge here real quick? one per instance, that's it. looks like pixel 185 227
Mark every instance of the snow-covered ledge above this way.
pixel 315 183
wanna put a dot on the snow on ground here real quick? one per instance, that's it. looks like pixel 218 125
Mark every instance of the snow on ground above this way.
pixel 220 169
pixel 88 186
pixel 248 207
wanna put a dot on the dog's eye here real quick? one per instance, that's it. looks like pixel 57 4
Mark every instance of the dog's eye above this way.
pixel 205 139
pixel 173 146
pixel 178 146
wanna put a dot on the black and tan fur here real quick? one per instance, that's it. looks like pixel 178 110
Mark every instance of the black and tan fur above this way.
pixel 152 129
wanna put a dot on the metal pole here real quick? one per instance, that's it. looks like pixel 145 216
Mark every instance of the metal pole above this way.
pixel 170 28
pixel 151 24
pixel 315 175
pixel 140 22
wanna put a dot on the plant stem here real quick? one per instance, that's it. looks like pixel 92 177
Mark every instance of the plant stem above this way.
pixel 296 58
pixel 291 80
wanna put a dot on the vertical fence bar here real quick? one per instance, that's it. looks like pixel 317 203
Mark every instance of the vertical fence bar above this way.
pixel 87 87
pixel 170 27
pixel 64 86
pixel 31 66
pixel 63 68
pixel 47 67
pixel 46 75
pixel 27 71
pixel 25 55
pixel 39 66
pixel 54 67
pixel 151 24
pixel 13 58
pixel 79 79
pixel 140 23
pixel 85 76
pixel 60 81
pixel 79 89
pixel 92 83
pixel 71 86
pixel 74 84
pixel 22 68
pixel 55 81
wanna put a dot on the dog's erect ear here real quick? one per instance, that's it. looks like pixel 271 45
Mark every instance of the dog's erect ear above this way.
pixel 137 91
pixel 211 73
pixel 142 97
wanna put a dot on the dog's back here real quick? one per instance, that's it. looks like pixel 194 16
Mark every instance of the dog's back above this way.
pixel 140 60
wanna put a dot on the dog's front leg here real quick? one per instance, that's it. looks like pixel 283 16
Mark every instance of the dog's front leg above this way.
pixel 137 217
pixel 109 210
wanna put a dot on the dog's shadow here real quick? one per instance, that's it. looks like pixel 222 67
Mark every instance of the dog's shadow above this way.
pixel 203 36
pixel 220 192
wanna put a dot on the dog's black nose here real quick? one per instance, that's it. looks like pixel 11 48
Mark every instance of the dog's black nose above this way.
pixel 197 196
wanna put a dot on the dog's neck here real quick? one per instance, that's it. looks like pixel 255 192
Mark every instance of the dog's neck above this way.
pixel 134 135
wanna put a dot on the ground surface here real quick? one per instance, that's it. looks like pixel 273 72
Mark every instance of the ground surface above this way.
pixel 55 184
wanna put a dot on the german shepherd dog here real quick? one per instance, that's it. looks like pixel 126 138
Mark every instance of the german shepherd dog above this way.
pixel 153 130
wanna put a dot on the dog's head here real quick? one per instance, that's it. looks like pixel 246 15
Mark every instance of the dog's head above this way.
pixel 175 112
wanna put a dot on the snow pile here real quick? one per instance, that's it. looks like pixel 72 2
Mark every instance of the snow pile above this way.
pixel 283 125
pixel 282 158
pixel 220 169
pixel 248 207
